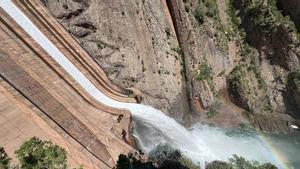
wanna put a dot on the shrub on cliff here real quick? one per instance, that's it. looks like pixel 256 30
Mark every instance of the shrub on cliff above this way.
pixel 199 15
pixel 214 109
pixel 167 158
pixel 237 162
pixel 39 154
pixel 166 153
pixel 241 163
pixel 204 72
pixel 164 157
pixel 131 162
pixel 218 165
pixel 238 87
pixel 36 154
pixel 4 159
pixel 123 162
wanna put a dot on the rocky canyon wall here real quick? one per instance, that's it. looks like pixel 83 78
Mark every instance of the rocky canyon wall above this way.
pixel 213 61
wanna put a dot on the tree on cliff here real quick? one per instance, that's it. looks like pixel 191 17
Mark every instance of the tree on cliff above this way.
pixel 36 154
pixel 4 159
pixel 237 162
pixel 172 160
pixel 39 154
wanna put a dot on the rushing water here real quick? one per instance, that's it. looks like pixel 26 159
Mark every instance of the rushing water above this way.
pixel 207 143
pixel 200 143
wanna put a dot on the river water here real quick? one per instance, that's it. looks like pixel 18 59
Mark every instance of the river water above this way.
pixel 201 143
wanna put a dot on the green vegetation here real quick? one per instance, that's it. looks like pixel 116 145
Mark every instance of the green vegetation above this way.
pixel 4 159
pixel 100 46
pixel 204 72
pixel 257 16
pixel 39 154
pixel 123 162
pixel 218 165
pixel 184 161
pixel 211 8
pixel 239 87
pixel 293 82
pixel 36 154
pixel 168 32
pixel 168 158
pixel 207 8
pixel 214 109
pixel 166 153
pixel 131 95
pixel 237 162
pixel 236 78
pixel 242 163
pixel 246 114
pixel 267 18
pixel 261 82
pixel 178 50
pixel 262 18
pixel 243 126
pixel 222 73
pixel 267 107
pixel 207 13
pixel 234 22
pixel 199 15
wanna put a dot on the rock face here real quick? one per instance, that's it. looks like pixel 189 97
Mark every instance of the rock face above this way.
pixel 293 93
pixel 134 42
pixel 206 63
pixel 250 43
pixel 273 52
pixel 209 60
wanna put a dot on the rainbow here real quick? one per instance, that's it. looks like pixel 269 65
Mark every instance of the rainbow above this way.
pixel 282 161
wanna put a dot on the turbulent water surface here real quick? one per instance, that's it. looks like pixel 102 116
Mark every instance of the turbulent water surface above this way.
pixel 203 143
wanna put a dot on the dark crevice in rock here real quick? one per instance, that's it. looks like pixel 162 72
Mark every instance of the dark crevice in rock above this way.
pixel 172 13
pixel 70 15
pixel 84 3
pixel 80 34
pixel 87 25
pixel 292 95
pixel 174 10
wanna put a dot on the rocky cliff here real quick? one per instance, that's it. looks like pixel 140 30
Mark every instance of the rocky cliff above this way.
pixel 257 48
pixel 221 62
pixel 134 42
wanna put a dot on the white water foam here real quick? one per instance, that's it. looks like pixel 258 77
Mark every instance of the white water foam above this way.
pixel 153 126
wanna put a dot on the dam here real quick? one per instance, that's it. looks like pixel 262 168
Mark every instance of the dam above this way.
pixel 51 87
